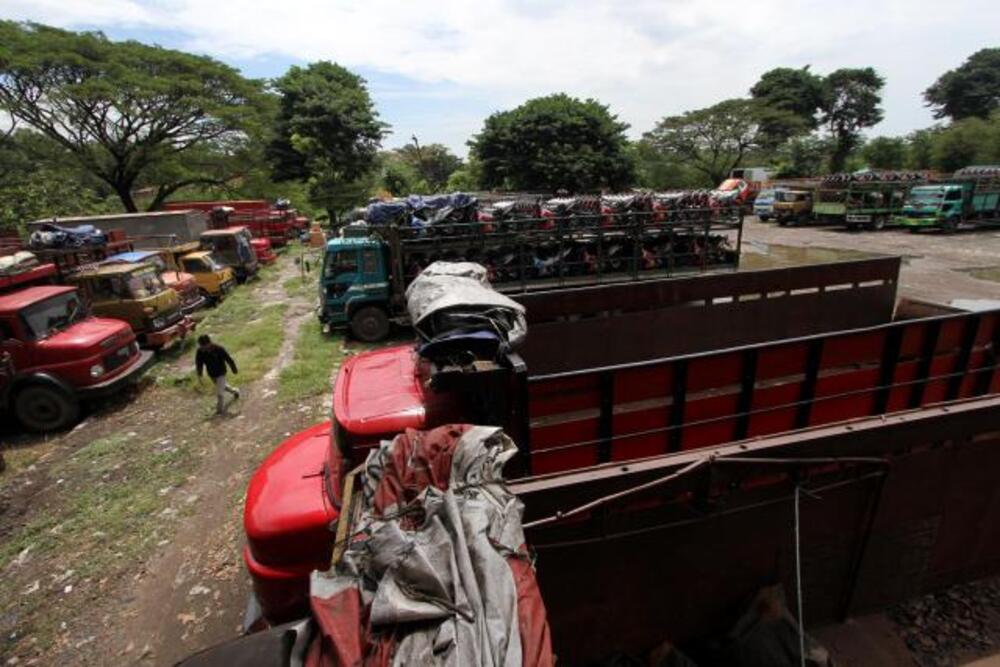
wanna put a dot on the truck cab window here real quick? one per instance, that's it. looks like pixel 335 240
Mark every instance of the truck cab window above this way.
pixel 953 195
pixel 341 263
pixel 193 266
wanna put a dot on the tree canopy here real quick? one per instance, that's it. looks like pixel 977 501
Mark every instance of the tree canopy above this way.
pixel 123 109
pixel 554 142
pixel 796 91
pixel 972 89
pixel 851 101
pixel 885 153
pixel 327 133
pixel 715 140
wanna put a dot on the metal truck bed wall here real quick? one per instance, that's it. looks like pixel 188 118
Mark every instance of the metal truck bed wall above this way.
pixel 617 324
pixel 187 225
pixel 680 560
pixel 571 420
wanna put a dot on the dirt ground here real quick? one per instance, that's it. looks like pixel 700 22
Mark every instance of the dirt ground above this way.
pixel 120 541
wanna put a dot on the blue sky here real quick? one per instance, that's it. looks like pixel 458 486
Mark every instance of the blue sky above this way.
pixel 437 69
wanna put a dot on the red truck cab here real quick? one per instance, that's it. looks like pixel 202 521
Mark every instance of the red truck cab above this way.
pixel 263 251
pixel 58 356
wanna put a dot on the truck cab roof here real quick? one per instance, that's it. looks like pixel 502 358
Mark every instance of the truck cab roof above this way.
pixel 29 295
pixel 134 257
pixel 351 242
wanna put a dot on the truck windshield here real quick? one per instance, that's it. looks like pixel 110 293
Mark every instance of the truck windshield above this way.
pixel 54 314
pixel 144 283
pixel 789 196
pixel 766 196
pixel 926 196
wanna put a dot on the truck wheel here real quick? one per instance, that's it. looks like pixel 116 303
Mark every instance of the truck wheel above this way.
pixel 370 324
pixel 950 225
pixel 877 224
pixel 44 408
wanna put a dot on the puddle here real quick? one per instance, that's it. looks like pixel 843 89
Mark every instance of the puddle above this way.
pixel 757 255
pixel 975 305
pixel 985 273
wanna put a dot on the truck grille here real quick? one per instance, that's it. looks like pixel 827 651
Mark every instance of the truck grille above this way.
pixel 119 357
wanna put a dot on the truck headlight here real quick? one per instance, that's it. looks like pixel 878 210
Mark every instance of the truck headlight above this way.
pixel 96 371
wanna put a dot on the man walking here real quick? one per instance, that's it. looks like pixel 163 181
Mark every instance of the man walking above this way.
pixel 214 359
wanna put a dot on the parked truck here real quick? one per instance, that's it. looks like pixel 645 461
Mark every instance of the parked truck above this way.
pixel 215 280
pixel 184 224
pixel 233 246
pixel 793 206
pixel 866 199
pixel 134 293
pixel 970 197
pixel 257 215
pixel 180 282
pixel 57 355
pixel 367 269
pixel 664 475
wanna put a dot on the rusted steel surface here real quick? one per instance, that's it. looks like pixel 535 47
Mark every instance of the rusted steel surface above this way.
pixel 631 411
pixel 678 561
pixel 614 324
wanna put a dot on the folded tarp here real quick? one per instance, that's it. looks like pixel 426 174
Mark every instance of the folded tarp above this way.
pixel 437 572
pixel 17 263
pixel 50 235
pixel 448 297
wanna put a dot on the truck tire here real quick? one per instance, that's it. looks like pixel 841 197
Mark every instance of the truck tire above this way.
pixel 877 223
pixel 41 407
pixel 950 225
pixel 370 324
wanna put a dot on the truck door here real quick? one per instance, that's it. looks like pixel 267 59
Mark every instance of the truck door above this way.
pixel 13 353
pixel 341 271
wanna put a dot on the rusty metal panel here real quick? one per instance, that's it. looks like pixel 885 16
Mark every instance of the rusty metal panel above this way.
pixel 617 324
pixel 678 562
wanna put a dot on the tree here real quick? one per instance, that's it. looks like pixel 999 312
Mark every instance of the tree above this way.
pixel 967 142
pixel 973 89
pixel 467 177
pixel 851 101
pixel 40 179
pixel 796 91
pixel 434 162
pixel 554 142
pixel 885 153
pixel 802 157
pixel 122 109
pixel 715 140
pixel 327 133
pixel 659 170
pixel 920 148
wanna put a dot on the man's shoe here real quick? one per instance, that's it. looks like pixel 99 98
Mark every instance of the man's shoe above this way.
pixel 236 393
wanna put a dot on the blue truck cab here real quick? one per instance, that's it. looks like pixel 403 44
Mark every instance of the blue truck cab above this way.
pixel 763 205
pixel 354 288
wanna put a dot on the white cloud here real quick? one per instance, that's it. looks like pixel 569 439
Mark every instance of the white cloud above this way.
pixel 645 58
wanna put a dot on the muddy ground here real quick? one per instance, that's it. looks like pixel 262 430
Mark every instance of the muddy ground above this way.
pixel 120 541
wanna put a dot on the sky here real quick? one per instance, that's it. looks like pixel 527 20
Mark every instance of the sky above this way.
pixel 437 69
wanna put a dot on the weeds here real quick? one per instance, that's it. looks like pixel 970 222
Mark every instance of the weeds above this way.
pixel 316 357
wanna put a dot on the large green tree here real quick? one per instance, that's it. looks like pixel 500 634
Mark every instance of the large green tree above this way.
pixel 715 140
pixel 967 142
pixel 851 101
pixel 433 162
pixel 885 153
pixel 796 91
pixel 124 109
pixel 327 133
pixel 972 89
pixel 554 142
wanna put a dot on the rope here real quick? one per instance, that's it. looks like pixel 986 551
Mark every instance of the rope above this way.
pixel 798 581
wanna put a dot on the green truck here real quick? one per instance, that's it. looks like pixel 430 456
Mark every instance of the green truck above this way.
pixel 864 200
pixel 970 197
pixel 366 270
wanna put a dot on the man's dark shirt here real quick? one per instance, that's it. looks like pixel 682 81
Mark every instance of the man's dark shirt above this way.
pixel 213 359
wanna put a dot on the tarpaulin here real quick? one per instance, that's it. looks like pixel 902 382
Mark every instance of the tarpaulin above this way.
pixel 53 236
pixel 448 297
pixel 437 572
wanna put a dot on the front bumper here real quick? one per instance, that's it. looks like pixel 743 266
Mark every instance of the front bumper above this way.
pixel 194 305
pixel 169 335
pixel 115 384
pixel 858 217
pixel 908 221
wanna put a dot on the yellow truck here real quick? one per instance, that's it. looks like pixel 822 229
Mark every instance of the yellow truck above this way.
pixel 134 293
pixel 214 279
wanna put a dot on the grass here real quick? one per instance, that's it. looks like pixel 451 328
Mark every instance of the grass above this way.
pixel 316 356
pixel 109 512
pixel 252 333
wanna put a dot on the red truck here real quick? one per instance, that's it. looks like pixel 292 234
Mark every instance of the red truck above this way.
pixel 257 215
pixel 666 428
pixel 58 356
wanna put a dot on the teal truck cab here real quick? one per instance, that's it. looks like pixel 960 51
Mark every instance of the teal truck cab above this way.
pixel 972 196
pixel 354 287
